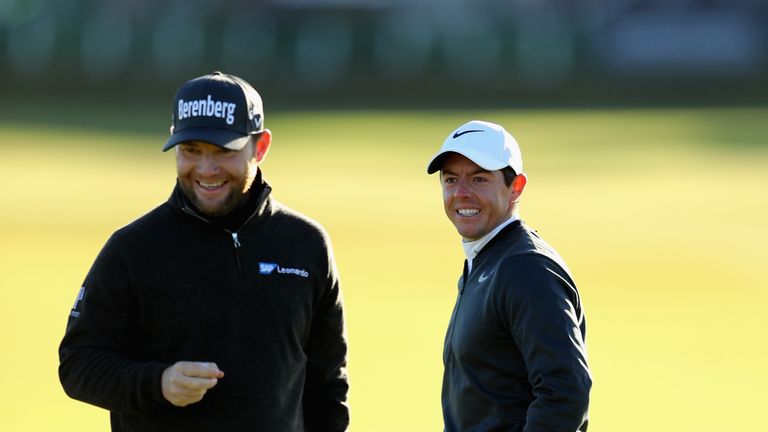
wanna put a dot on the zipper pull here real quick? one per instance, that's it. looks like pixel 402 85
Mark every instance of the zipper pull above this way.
pixel 236 242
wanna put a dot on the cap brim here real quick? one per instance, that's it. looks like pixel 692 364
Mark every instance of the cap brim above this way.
pixel 436 163
pixel 219 137
pixel 479 158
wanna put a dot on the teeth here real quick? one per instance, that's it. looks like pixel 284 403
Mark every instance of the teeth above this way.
pixel 211 185
pixel 468 212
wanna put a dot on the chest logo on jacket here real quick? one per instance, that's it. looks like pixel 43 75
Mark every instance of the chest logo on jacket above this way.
pixel 483 277
pixel 270 268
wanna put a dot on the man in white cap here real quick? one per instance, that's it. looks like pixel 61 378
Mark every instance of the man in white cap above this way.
pixel 220 309
pixel 515 355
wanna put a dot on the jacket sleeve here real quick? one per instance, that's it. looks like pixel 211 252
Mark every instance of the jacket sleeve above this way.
pixel 95 364
pixel 543 311
pixel 326 387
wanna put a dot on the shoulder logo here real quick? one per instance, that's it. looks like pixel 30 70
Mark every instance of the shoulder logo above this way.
pixel 458 134
pixel 483 277
pixel 76 313
pixel 269 268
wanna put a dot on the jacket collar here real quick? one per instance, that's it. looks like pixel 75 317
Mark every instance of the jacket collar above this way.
pixel 506 231
pixel 258 205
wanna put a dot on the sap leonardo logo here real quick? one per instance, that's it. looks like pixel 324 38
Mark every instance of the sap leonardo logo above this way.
pixel 269 268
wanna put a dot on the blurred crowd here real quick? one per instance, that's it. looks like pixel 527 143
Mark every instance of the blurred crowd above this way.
pixel 446 45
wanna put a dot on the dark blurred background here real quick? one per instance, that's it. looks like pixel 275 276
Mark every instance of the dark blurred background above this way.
pixel 392 53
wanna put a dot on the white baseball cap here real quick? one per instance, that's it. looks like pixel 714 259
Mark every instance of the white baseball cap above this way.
pixel 488 145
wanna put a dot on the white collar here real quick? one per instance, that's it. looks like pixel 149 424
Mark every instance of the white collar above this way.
pixel 472 248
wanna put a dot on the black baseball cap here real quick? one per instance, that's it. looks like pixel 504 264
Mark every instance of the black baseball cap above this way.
pixel 220 109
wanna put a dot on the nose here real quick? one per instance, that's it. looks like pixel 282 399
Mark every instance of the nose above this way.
pixel 463 189
pixel 208 165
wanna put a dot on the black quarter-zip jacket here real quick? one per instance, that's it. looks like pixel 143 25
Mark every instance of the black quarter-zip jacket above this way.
pixel 260 299
pixel 515 355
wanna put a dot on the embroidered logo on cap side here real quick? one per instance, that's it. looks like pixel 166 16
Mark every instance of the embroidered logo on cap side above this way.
pixel 255 118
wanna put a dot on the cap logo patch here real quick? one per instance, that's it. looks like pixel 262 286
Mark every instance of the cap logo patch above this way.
pixel 255 119
pixel 207 108
pixel 458 134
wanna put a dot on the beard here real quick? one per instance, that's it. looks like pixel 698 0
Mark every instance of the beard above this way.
pixel 236 194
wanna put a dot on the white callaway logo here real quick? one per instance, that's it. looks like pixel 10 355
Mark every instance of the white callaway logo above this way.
pixel 207 108
pixel 483 277
pixel 255 118
pixel 269 268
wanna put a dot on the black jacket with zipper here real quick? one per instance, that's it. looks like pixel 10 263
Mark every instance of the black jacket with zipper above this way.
pixel 515 356
pixel 260 299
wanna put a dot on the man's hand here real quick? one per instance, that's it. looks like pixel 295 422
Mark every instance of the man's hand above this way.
pixel 185 383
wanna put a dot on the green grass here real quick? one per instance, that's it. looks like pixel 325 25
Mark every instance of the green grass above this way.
pixel 659 213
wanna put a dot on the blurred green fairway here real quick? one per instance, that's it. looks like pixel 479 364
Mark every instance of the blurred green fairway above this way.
pixel 661 215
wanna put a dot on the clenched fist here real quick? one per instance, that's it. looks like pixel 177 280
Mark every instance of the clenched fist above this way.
pixel 185 383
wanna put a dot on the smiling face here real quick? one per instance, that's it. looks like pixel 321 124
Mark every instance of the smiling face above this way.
pixel 216 179
pixel 476 200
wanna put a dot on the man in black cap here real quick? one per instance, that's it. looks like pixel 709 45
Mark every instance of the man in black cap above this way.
pixel 515 352
pixel 219 310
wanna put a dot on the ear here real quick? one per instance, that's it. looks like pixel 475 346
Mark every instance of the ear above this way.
pixel 262 145
pixel 518 185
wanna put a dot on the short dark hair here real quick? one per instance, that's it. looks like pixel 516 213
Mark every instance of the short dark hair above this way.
pixel 509 175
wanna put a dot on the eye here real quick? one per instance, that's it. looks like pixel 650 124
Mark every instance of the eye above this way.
pixel 479 179
pixel 449 180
